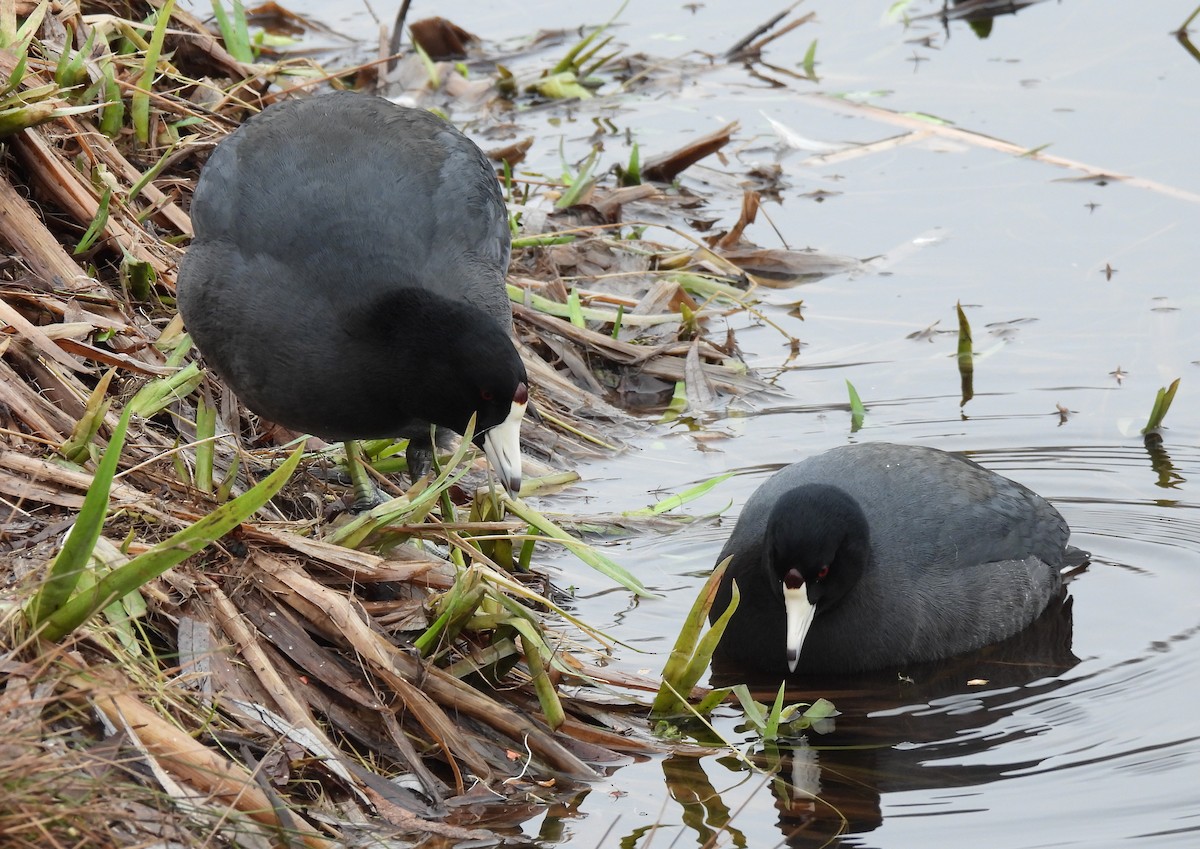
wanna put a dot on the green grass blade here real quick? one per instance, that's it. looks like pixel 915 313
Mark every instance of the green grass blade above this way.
pixel 168 553
pixel 97 226
pixel 673 502
pixel 714 698
pixel 354 533
pixel 1162 403
pixel 24 35
pixel 966 356
pixel 809 63
pixel 569 60
pixel 234 31
pixel 431 71
pixel 771 729
pixel 579 183
pixel 691 654
pixel 632 175
pixel 70 562
pixel 151 174
pixel 206 428
pixel 543 304
pixel 140 102
pixel 756 715
pixel 542 241
pixel 457 607
pixel 583 551
pixel 532 646
pixel 78 448
pixel 112 114
pixel 156 396
pixel 857 410
pixel 575 309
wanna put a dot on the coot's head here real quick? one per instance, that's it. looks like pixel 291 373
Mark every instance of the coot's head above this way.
pixel 816 547
pixel 455 361
pixel 502 405
pixel 479 373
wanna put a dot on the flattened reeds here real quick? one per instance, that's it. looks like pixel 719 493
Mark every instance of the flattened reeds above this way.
pixel 270 681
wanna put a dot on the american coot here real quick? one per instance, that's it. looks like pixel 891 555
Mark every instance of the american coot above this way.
pixel 874 556
pixel 347 277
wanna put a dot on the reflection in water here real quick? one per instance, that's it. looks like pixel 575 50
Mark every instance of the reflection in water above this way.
pixel 890 729
pixel 1168 476
pixel 979 14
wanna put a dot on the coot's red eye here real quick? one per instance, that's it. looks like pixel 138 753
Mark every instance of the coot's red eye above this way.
pixel 823 571
pixel 486 394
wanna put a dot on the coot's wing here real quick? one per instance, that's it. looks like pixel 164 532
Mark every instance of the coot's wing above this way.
pixel 372 228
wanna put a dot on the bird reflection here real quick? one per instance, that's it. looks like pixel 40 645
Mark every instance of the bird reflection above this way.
pixel 890 729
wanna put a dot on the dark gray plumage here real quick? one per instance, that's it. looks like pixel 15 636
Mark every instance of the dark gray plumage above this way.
pixel 906 553
pixel 347 275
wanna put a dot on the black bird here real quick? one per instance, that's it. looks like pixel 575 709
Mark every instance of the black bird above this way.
pixel 347 278
pixel 875 556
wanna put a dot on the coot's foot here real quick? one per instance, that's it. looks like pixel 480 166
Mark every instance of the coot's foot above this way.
pixel 419 456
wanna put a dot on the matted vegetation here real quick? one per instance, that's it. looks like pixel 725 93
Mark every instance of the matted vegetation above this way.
pixel 312 677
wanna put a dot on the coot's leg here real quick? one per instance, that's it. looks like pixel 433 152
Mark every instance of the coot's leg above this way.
pixel 419 456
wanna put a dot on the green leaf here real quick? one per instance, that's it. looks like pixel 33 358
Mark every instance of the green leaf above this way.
pixel 544 305
pixel 691 654
pixel 1162 403
pixel 169 552
pixel 206 428
pixel 78 448
pixel 580 182
pixel 673 502
pixel 966 356
pixel 234 31
pixel 141 96
pixel 412 507
pixel 756 715
pixel 159 394
pixel 97 225
pixel 73 558
pixel 575 309
pixel 771 729
pixel 456 606
pixel 532 645
pixel 431 71
pixel 583 551
pixel 857 410
pixel 809 63
pixel 820 709
pixel 151 174
pixel 112 113
pixel 631 175
pixel 678 404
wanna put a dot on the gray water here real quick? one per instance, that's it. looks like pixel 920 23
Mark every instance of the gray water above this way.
pixel 1097 747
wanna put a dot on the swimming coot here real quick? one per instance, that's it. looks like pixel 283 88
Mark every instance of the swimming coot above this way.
pixel 347 277
pixel 875 556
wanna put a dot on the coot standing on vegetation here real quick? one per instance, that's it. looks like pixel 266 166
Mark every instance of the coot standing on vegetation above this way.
pixel 877 555
pixel 347 277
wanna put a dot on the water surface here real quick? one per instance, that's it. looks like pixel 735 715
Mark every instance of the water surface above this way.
pixel 1083 298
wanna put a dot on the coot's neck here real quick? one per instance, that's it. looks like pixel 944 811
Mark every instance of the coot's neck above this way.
pixel 412 354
